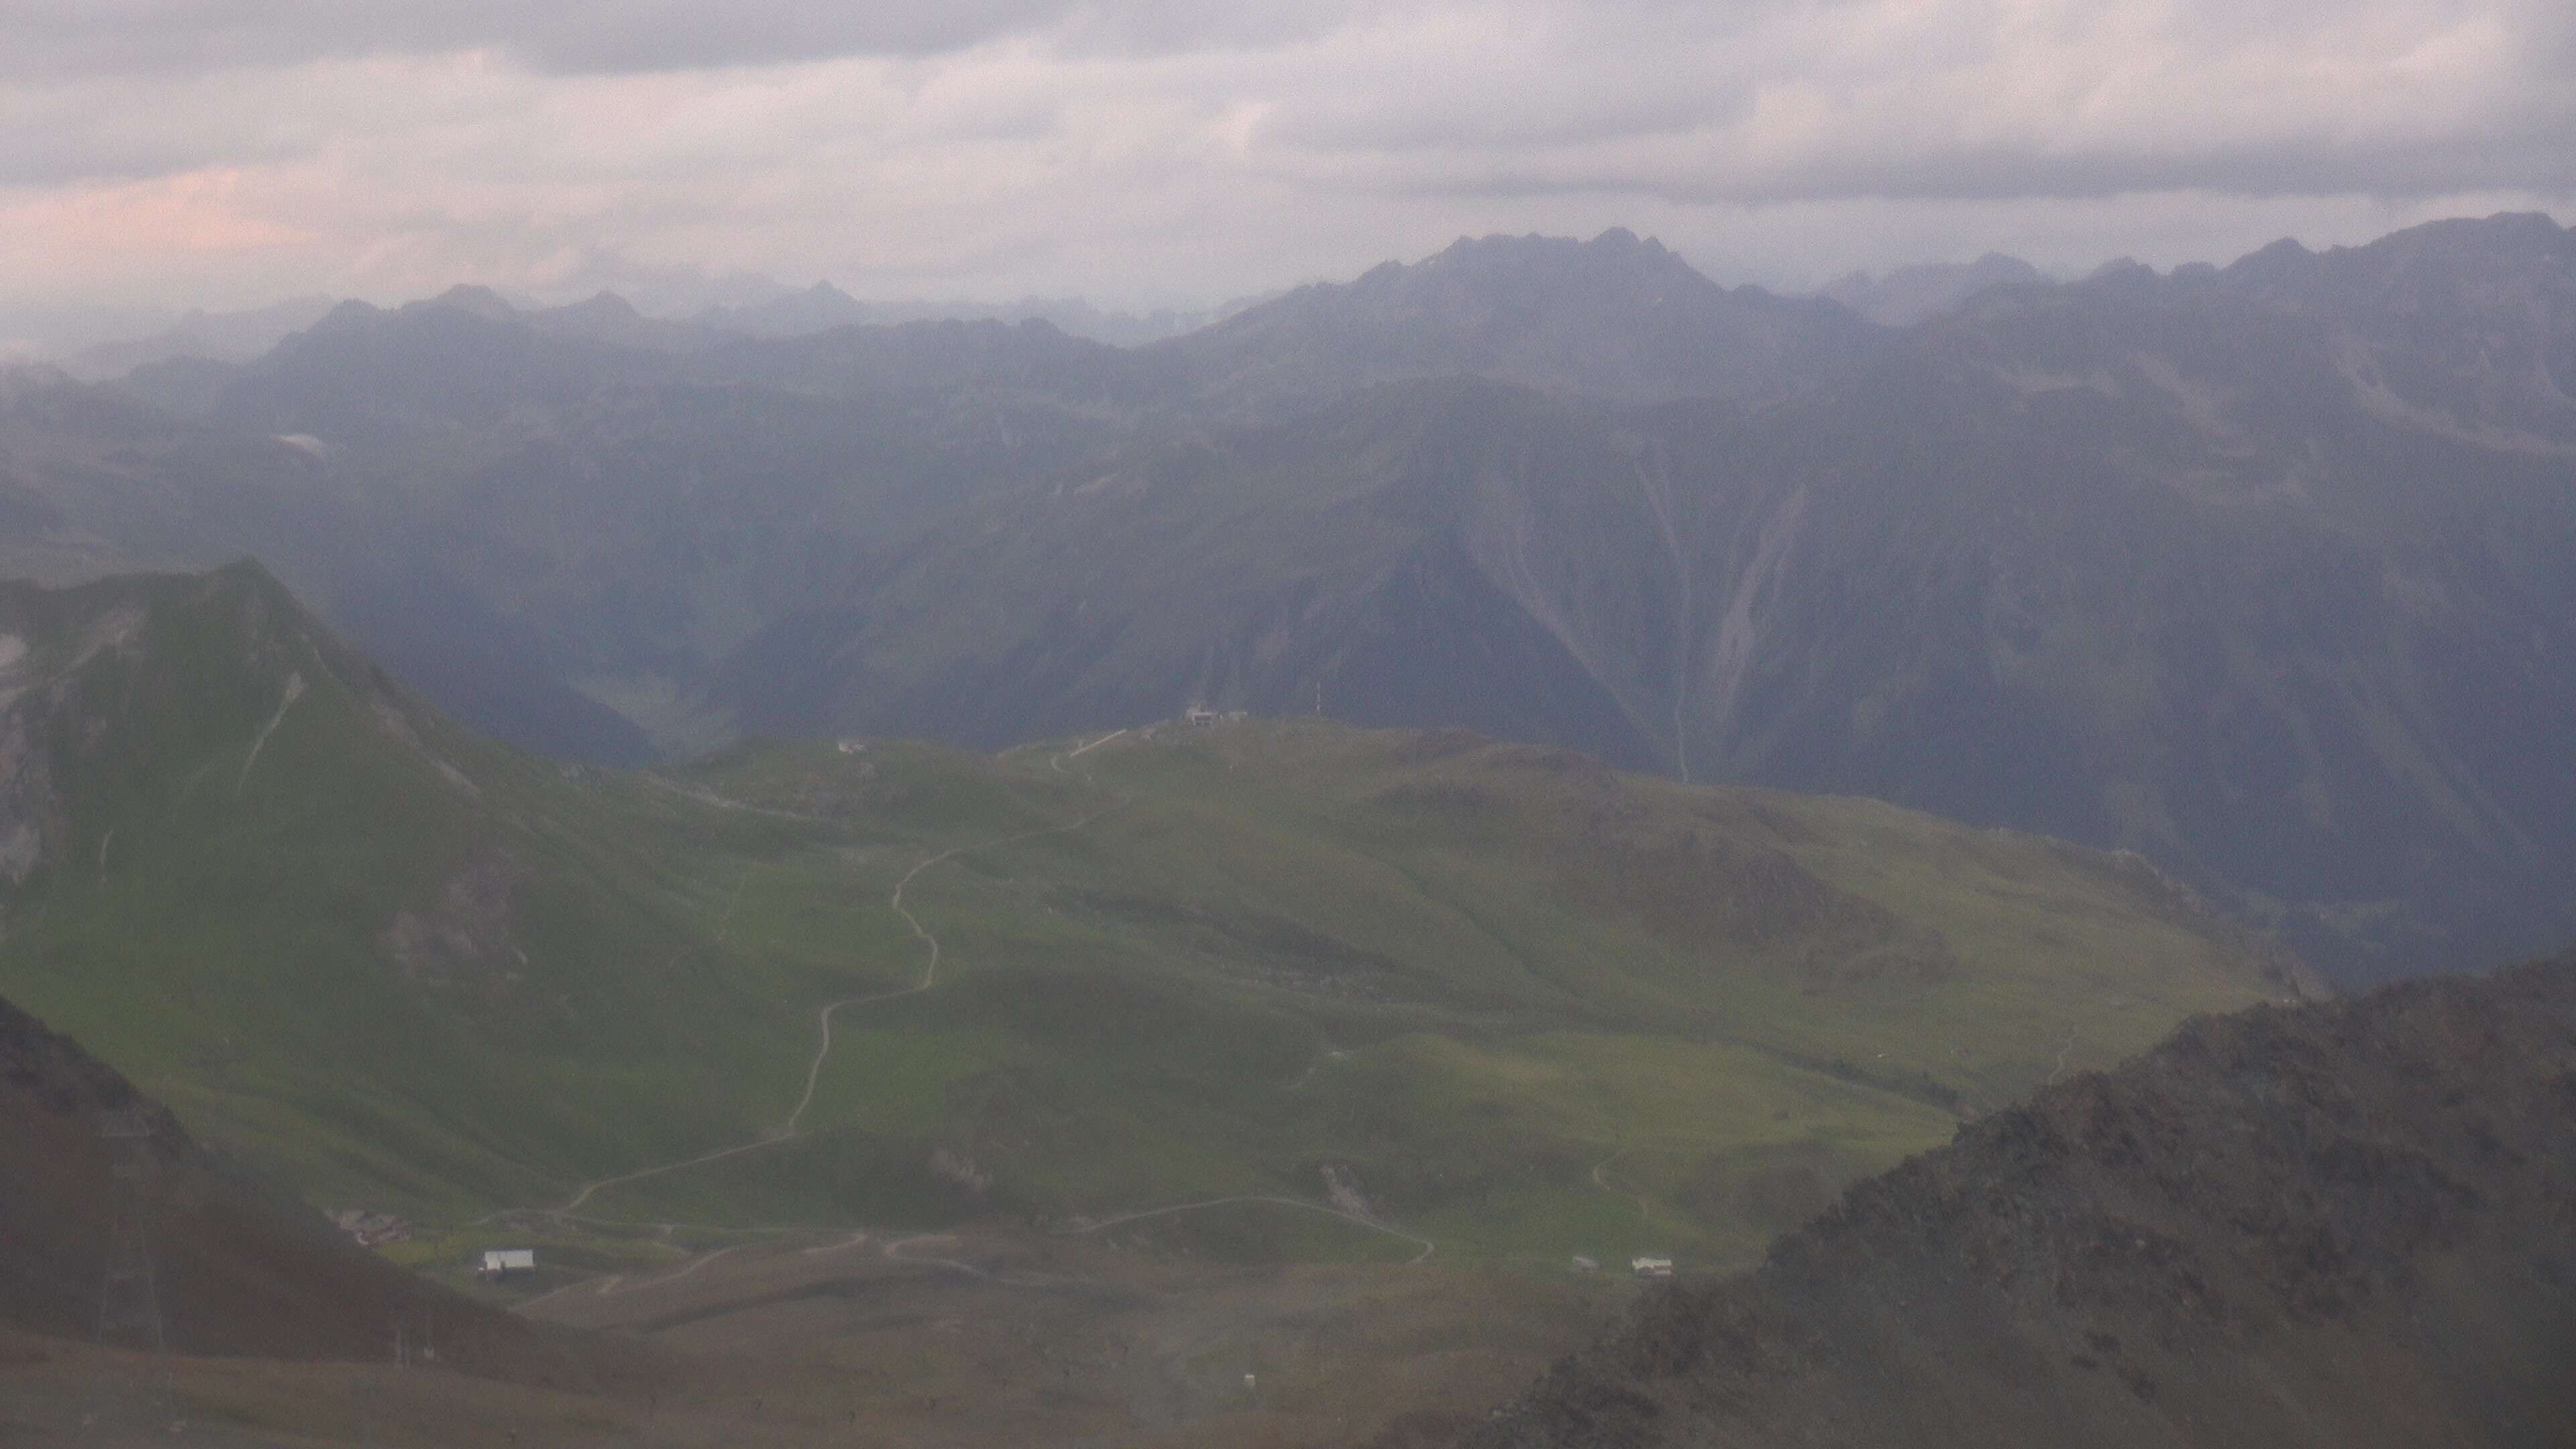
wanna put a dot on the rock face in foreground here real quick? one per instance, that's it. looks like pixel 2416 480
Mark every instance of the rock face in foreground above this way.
pixel 238 1266
pixel 2340 1225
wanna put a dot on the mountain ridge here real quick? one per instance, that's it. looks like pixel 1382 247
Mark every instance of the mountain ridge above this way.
pixel 2255 570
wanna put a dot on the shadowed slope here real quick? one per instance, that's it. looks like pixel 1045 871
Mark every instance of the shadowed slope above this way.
pixel 240 1267
pixel 2334 1225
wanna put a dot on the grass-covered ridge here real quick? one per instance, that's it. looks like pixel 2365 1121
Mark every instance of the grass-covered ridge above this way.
pixel 1500 996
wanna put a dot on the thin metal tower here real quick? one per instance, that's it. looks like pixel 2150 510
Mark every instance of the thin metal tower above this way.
pixel 129 1305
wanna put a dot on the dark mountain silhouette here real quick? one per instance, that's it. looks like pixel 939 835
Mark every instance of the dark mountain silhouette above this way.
pixel 2337 1225
pixel 239 1266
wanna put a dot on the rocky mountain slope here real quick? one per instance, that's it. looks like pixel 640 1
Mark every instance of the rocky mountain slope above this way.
pixel 239 1265
pixel 2335 1225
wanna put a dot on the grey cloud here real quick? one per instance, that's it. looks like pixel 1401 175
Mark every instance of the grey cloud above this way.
pixel 1235 144
pixel 2541 162
pixel 58 37
pixel 2392 98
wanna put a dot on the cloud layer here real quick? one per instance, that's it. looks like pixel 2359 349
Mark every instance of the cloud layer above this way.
pixel 1187 151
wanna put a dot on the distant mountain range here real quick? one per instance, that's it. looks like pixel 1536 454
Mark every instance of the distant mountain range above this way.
pixel 2334 1227
pixel 214 336
pixel 2262 571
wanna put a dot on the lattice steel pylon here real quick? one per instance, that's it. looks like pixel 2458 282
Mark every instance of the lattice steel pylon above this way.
pixel 129 1304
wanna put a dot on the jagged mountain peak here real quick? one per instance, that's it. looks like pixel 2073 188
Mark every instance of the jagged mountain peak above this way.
pixel 1617 316
pixel 1616 257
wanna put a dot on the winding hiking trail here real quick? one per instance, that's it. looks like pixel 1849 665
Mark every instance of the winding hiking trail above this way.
pixel 930 968
pixel 794 1126
pixel 1601 1180
pixel 1057 764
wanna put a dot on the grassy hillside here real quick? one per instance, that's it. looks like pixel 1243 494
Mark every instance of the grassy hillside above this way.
pixel 1503 998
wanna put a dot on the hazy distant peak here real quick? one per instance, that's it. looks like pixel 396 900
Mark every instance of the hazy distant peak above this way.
pixel 2281 260
pixel 2122 269
pixel 1617 245
pixel 1618 316
pixel 348 314
pixel 469 297
pixel 19 380
pixel 604 305
pixel 1926 290
pixel 2287 249
pixel 610 318
pixel 2506 236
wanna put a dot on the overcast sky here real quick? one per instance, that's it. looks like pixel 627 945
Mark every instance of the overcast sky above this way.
pixel 230 151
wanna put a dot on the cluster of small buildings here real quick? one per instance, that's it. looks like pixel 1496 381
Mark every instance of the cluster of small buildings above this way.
pixel 1642 1266
pixel 503 1262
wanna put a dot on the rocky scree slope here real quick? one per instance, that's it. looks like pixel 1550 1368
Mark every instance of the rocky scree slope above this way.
pixel 2345 1224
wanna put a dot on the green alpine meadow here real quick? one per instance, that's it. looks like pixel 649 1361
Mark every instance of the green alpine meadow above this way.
pixel 1500 998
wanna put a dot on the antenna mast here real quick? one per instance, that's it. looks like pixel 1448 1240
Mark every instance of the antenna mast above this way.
pixel 129 1304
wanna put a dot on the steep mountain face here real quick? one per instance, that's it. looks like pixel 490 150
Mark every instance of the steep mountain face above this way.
pixel 238 1265
pixel 2339 1225
pixel 2162 564
pixel 1318 565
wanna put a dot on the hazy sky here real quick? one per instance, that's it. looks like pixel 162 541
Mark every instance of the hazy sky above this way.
pixel 229 151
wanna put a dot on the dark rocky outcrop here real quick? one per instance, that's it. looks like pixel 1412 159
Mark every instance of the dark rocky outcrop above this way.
pixel 239 1267
pixel 2342 1224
